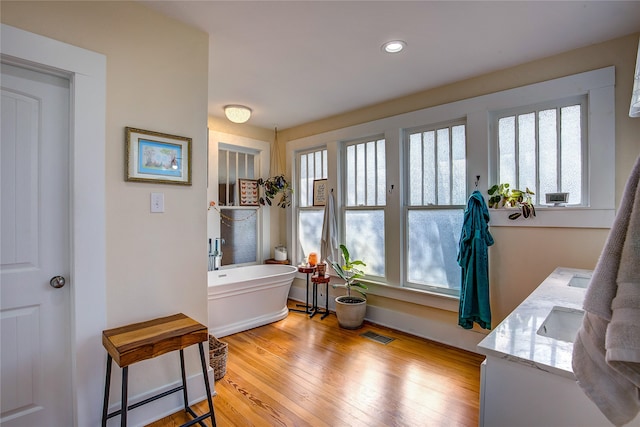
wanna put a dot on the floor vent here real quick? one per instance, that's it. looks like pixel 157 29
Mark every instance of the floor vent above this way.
pixel 377 337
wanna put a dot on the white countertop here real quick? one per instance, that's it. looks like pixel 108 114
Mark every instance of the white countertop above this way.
pixel 516 338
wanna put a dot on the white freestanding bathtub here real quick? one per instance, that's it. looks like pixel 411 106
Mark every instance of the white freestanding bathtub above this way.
pixel 247 297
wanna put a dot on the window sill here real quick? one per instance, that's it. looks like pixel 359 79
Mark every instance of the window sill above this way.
pixel 565 217
pixel 415 296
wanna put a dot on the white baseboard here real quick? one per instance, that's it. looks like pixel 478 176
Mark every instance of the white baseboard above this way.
pixel 165 406
pixel 431 329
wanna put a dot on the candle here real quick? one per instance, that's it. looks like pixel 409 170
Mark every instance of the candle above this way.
pixel 312 259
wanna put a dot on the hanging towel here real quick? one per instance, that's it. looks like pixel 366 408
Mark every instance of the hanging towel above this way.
pixel 473 257
pixel 606 352
pixel 329 239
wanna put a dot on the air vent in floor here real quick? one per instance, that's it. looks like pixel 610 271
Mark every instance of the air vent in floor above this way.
pixel 377 337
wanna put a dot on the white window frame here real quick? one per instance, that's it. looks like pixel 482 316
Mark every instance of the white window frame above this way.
pixel 297 258
pixel 263 150
pixel 598 85
pixel 407 207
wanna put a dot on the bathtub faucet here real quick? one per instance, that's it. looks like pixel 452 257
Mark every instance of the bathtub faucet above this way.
pixel 215 256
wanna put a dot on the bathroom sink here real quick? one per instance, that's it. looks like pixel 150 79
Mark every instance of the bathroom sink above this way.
pixel 562 324
pixel 579 281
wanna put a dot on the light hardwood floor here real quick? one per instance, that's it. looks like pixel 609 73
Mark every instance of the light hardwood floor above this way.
pixel 310 372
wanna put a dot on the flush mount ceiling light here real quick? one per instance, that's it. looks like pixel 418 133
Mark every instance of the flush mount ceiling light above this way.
pixel 393 46
pixel 237 113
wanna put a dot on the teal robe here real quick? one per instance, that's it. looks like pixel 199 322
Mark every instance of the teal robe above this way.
pixel 473 257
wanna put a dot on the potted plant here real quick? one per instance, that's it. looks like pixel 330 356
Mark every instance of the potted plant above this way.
pixel 503 196
pixel 274 186
pixel 350 309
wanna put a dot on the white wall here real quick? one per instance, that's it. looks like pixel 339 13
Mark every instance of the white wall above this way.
pixel 157 80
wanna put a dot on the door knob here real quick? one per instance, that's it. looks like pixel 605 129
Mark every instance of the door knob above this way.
pixel 57 282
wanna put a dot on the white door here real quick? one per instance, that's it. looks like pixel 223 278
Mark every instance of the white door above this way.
pixel 35 352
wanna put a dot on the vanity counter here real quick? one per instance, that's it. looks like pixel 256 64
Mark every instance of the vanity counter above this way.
pixel 516 338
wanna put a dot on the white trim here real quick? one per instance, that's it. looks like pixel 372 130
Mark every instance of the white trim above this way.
pixel 88 250
pixel 263 151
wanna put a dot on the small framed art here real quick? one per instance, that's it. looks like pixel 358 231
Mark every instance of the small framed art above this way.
pixel 319 192
pixel 157 157
pixel 248 192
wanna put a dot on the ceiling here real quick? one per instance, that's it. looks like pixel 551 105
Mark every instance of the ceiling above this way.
pixel 294 62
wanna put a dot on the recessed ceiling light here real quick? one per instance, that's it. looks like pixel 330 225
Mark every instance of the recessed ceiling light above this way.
pixel 393 46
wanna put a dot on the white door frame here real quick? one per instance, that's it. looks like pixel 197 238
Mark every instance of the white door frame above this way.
pixel 87 71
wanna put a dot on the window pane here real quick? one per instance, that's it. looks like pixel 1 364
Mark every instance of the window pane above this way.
pixel 312 166
pixel 364 236
pixel 238 229
pixel 429 168
pixel 381 173
pixel 310 230
pixel 371 188
pixel 366 174
pixel 571 152
pixel 360 175
pixel 526 153
pixel 242 165
pixel 548 141
pixel 351 175
pixel 444 167
pixel 507 149
pixel 415 169
pixel 305 199
pixel 433 237
pixel 458 165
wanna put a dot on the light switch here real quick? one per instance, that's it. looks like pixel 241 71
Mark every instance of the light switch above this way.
pixel 157 202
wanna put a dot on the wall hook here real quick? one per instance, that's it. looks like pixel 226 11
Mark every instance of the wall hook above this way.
pixel 477 181
pixel 391 190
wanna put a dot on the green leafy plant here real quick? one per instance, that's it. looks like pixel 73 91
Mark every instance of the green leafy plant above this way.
pixel 503 196
pixel 349 272
pixel 274 186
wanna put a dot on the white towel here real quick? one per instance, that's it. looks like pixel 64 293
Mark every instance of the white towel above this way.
pixel 607 347
pixel 329 239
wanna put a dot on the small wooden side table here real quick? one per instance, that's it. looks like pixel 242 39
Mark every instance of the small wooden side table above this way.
pixel 319 279
pixel 307 307
pixel 145 340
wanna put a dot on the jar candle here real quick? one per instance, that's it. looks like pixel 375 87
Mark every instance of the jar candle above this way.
pixel 312 259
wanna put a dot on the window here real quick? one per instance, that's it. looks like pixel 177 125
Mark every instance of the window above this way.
pixel 544 149
pixel 365 199
pixel 403 192
pixel 238 224
pixel 311 166
pixel 435 175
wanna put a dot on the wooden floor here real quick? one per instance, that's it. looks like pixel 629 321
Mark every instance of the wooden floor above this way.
pixel 310 372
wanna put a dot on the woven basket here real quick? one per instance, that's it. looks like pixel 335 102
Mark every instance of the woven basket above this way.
pixel 218 357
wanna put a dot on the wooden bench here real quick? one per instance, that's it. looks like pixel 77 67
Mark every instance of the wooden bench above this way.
pixel 145 340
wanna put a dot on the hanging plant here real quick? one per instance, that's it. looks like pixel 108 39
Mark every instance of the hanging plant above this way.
pixel 503 196
pixel 274 186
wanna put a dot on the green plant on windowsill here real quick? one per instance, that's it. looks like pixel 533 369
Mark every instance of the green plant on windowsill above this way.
pixel 503 196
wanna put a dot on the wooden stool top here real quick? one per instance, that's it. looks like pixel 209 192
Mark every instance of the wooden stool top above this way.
pixel 321 279
pixel 145 340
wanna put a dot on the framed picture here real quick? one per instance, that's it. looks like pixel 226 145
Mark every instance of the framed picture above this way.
pixel 319 192
pixel 157 157
pixel 248 192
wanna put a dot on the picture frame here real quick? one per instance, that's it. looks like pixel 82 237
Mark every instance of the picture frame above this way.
pixel 319 192
pixel 248 192
pixel 157 157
